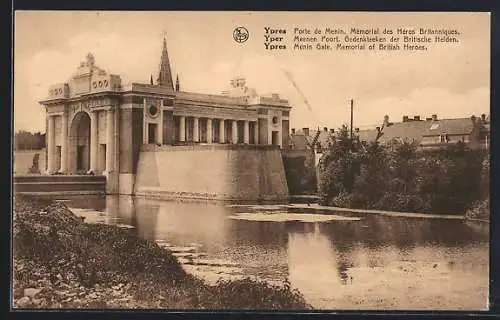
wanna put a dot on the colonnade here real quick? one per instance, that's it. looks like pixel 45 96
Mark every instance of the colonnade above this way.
pixel 210 130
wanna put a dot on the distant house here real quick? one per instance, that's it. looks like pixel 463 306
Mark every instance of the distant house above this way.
pixel 432 133
pixel 318 140
pixel 471 131
pixel 410 129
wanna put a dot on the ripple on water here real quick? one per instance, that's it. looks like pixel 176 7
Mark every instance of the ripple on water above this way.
pixel 288 216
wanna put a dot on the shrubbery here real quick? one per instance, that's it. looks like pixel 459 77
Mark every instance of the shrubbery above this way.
pixel 399 177
pixel 480 210
pixel 300 174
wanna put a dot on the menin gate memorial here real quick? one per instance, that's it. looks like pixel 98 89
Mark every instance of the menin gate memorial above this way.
pixel 156 140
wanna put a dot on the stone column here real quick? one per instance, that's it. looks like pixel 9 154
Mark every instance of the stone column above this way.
pixel 256 132
pixel 280 137
pixel 235 132
pixel 196 129
pixel 209 130
pixel 93 141
pixel 110 142
pixel 64 143
pixel 159 128
pixel 246 132
pixel 182 129
pixel 222 132
pixel 145 133
pixel 51 147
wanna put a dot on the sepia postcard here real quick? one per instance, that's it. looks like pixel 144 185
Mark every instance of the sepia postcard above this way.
pixel 251 160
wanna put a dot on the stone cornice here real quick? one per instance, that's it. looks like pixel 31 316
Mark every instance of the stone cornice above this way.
pixel 147 95
pixel 83 97
pixel 60 113
pixel 101 108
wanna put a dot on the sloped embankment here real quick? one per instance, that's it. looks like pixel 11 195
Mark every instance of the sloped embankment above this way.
pixel 62 262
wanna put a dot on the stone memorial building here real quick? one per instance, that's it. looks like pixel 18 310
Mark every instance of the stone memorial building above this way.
pixel 155 138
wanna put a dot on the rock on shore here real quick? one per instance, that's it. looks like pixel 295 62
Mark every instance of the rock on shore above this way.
pixel 62 262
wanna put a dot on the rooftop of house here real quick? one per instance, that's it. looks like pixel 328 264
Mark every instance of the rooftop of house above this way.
pixel 414 129
pixel 411 129
pixel 304 138
pixel 449 126
pixel 299 141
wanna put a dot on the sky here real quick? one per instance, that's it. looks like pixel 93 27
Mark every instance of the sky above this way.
pixel 450 80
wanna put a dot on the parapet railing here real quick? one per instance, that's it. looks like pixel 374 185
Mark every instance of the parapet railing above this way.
pixel 202 146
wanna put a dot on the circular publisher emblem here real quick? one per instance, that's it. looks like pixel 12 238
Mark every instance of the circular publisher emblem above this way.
pixel 240 34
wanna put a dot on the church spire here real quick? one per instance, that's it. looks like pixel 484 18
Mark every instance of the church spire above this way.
pixel 165 75
pixel 177 84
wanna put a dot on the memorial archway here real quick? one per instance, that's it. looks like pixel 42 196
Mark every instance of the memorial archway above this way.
pixel 79 142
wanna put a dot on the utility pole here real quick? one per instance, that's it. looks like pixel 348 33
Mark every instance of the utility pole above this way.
pixel 352 103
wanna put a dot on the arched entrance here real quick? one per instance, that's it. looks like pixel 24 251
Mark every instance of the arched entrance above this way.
pixel 79 143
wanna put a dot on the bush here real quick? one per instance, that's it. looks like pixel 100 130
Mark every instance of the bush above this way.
pixel 402 202
pixel 300 174
pixel 253 294
pixel 480 210
pixel 349 200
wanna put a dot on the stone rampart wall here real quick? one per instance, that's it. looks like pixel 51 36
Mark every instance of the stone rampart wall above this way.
pixel 212 172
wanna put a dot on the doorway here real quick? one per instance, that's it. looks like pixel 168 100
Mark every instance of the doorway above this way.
pixel 80 156
pixel 274 138
pixel 152 133
pixel 79 146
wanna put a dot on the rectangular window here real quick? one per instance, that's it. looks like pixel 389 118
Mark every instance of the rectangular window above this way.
pixel 102 157
pixel 252 130
pixel 152 133
pixel 189 129
pixel 228 129
pixel 241 131
pixel 274 138
pixel 80 153
pixel 215 130
pixel 177 125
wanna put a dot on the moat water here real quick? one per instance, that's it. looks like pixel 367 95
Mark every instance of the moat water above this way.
pixel 336 260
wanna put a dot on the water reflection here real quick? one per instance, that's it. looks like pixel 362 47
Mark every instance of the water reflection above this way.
pixel 377 262
pixel 312 264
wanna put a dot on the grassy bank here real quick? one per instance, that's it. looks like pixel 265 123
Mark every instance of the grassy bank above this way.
pixel 62 262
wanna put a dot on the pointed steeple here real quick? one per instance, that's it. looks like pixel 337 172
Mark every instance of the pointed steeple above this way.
pixel 151 80
pixel 177 84
pixel 165 74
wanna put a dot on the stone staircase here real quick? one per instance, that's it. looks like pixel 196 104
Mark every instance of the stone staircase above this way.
pixel 59 184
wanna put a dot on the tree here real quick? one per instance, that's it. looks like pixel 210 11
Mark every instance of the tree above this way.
pixel 25 140
pixel 339 166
